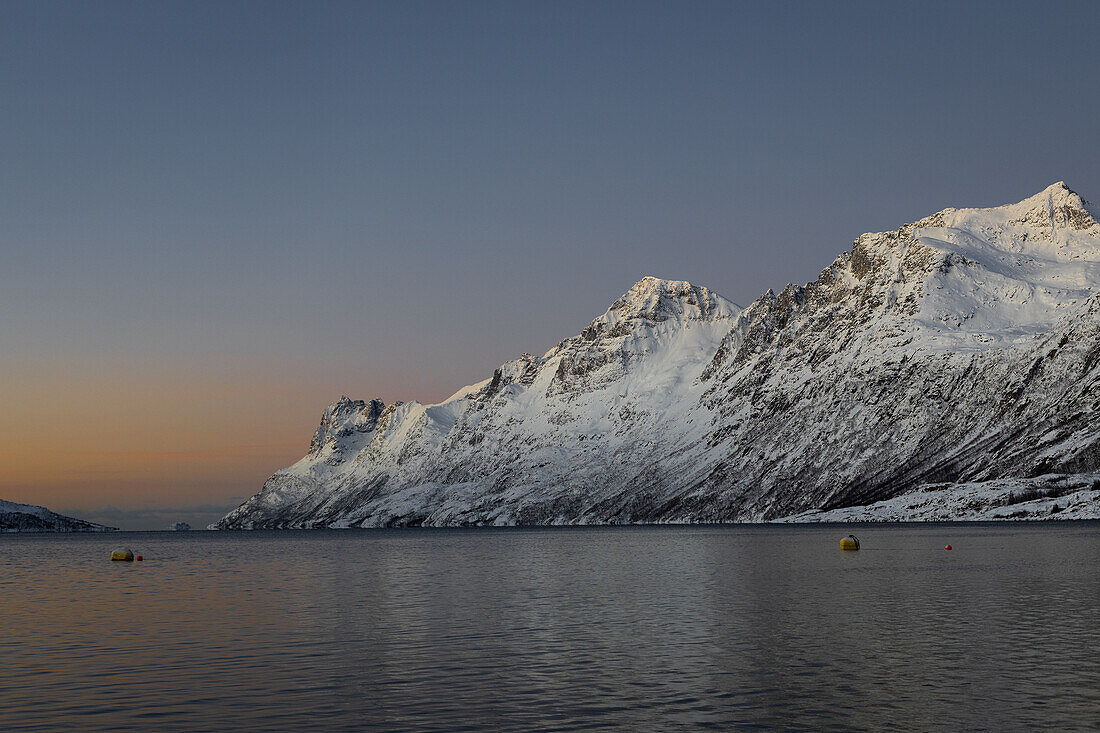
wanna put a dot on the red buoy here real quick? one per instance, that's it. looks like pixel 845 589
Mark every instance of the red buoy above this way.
pixel 139 557
pixel 948 547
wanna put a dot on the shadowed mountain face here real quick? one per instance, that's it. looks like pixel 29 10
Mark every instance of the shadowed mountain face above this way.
pixel 28 518
pixel 963 347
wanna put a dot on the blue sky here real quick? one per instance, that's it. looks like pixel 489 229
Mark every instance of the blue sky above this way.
pixel 290 201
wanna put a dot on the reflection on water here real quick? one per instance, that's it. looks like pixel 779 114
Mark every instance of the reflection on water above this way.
pixel 643 628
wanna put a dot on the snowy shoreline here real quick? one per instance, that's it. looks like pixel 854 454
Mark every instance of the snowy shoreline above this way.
pixel 1043 498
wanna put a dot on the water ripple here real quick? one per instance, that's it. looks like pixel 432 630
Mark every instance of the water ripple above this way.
pixel 662 628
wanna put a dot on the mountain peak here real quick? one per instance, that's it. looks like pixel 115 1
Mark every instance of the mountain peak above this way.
pixel 1057 206
pixel 658 299
pixel 1058 188
pixel 344 417
pixel 1055 196
pixel 1055 222
pixel 650 289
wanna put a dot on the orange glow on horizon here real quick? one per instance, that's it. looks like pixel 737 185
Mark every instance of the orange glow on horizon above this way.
pixel 175 436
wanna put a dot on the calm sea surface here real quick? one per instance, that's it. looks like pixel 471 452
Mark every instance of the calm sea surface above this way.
pixel 647 628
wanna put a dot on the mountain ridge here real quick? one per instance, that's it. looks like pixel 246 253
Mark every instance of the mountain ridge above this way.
pixel 678 405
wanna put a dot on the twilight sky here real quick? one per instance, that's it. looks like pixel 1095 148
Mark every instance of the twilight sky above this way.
pixel 215 218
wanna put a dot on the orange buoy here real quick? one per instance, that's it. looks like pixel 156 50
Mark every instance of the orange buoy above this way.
pixel 948 547
pixel 139 558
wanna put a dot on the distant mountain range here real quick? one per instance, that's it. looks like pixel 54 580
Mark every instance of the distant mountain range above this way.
pixel 28 518
pixel 959 354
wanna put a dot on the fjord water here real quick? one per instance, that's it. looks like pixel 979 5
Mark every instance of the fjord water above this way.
pixel 564 629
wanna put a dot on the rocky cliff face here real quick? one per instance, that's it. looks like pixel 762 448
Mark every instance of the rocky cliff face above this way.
pixel 963 347
pixel 28 518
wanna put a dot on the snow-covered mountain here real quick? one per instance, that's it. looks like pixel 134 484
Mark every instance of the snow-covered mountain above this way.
pixel 963 347
pixel 29 518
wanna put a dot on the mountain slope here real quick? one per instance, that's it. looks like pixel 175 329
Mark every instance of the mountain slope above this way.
pixel 507 450
pixel 28 518
pixel 960 348
pixel 963 347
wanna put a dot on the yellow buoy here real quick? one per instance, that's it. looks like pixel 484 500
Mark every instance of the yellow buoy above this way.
pixel 849 543
pixel 124 554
